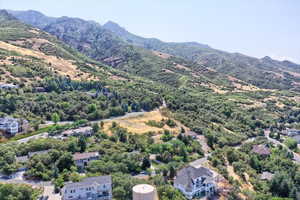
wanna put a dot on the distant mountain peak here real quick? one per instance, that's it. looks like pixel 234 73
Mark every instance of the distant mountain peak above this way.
pixel 6 16
pixel 114 27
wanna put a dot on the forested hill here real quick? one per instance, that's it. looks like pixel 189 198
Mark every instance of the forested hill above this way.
pixel 91 39
pixel 54 78
pixel 200 97
pixel 112 44
pixel 265 72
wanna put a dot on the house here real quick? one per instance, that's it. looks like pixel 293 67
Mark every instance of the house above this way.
pixel 266 176
pixel 8 86
pixel 39 89
pixel 31 154
pixel 291 132
pixel 261 150
pixel 195 182
pixel 85 131
pixel 82 159
pixel 22 159
pixel 9 125
pixel 93 188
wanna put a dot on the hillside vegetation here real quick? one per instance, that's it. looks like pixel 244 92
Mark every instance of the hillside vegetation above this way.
pixel 89 73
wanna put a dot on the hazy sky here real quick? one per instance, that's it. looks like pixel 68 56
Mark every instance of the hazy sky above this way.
pixel 253 27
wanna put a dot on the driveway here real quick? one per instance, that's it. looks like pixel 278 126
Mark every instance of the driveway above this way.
pixel 49 192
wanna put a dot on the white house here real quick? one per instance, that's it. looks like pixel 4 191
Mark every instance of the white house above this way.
pixel 82 159
pixel 93 188
pixel 195 182
pixel 8 86
pixel 9 125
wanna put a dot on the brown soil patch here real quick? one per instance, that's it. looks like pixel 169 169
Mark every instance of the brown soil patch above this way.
pixel 215 88
pixel 162 55
pixel 244 186
pixel 118 78
pixel 178 66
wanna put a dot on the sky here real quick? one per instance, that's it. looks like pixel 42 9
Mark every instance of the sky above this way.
pixel 253 27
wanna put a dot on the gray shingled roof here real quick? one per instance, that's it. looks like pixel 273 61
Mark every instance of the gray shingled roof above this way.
pixel 81 156
pixel 261 149
pixel 266 176
pixel 89 181
pixel 186 175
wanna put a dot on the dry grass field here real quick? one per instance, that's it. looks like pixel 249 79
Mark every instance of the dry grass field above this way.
pixel 61 66
pixel 137 124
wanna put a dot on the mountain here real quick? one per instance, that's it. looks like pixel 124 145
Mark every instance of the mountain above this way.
pixel 259 72
pixel 32 17
pixel 31 58
pixel 195 91
pixel 117 47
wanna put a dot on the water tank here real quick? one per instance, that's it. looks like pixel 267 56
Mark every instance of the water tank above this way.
pixel 144 192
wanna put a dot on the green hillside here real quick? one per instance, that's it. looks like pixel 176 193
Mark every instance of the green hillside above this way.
pixel 77 70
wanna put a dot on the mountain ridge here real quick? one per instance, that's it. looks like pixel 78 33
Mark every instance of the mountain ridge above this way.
pixel 131 53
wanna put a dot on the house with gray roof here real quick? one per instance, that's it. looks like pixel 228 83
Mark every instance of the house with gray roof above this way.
pixel 82 159
pixel 266 176
pixel 195 182
pixel 261 150
pixel 84 131
pixel 92 188
pixel 9 125
pixel 8 86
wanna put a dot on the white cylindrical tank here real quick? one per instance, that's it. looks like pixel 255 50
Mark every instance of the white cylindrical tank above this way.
pixel 144 192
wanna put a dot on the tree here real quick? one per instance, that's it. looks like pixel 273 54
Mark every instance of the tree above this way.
pixel 146 163
pixel 92 108
pixel 65 162
pixel 82 143
pixel 172 172
pixel 55 118
pixel 96 127
pixel 167 192
pixel 291 143
pixel 281 185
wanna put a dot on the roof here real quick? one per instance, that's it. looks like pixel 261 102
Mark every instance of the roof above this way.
pixel 7 86
pixel 198 163
pixel 78 130
pixel 89 181
pixel 266 176
pixel 186 175
pixel 143 189
pixel 261 149
pixel 30 154
pixel 8 120
pixel 81 156
pixel 21 159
